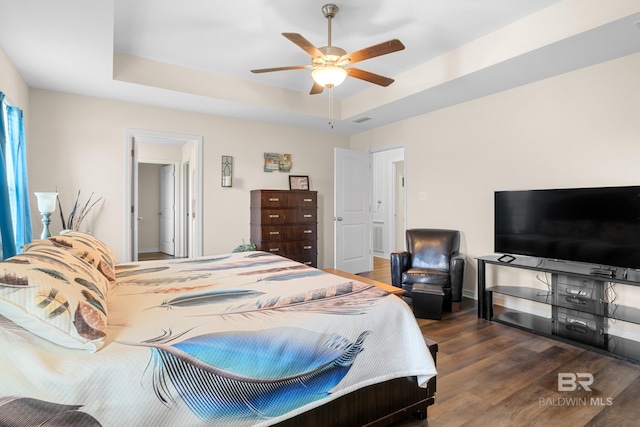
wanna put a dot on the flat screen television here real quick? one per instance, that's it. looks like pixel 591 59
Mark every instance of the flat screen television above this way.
pixel 591 225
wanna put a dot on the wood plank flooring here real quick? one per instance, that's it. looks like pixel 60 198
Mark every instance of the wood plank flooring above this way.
pixel 150 256
pixel 494 375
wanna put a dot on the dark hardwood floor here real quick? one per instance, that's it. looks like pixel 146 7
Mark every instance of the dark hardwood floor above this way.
pixel 494 375
pixel 150 256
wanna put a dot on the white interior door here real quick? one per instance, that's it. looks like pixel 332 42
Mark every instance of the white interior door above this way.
pixel 167 210
pixel 352 211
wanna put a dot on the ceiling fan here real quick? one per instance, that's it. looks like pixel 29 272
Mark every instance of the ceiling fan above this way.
pixel 331 64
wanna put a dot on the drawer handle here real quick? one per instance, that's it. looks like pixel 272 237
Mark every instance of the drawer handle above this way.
pixel 274 232
pixel 308 262
pixel 574 300
pixel 308 231
pixel 274 250
pixel 308 200
pixel 308 216
pixel 307 247
pixel 576 322
pixel 274 199
pixel 274 216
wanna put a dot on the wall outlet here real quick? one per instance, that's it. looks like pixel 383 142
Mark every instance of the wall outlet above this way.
pixel 422 195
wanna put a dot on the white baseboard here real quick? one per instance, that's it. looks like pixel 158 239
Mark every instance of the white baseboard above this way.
pixel 469 294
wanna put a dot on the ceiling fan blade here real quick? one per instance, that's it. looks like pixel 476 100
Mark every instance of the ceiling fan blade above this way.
pixel 316 89
pixel 384 48
pixel 304 44
pixel 369 77
pixel 292 67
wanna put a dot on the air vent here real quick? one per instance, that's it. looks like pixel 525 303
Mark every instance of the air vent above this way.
pixel 361 119
pixel 377 238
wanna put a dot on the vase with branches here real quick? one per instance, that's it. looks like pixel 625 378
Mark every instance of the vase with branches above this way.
pixel 78 213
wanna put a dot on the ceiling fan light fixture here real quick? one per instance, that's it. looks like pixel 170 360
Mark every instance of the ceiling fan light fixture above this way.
pixel 329 75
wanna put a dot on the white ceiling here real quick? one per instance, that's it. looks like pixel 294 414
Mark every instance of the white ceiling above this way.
pixel 197 54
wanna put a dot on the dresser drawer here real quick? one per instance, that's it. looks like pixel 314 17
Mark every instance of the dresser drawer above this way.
pixel 284 216
pixel 304 199
pixel 308 259
pixel 281 233
pixel 284 199
pixel 289 248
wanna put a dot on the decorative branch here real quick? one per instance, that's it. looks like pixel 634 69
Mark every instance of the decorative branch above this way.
pixel 77 216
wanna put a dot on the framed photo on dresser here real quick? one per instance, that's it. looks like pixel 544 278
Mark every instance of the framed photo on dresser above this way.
pixel 298 182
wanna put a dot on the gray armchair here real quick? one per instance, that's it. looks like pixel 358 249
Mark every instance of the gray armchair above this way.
pixel 432 258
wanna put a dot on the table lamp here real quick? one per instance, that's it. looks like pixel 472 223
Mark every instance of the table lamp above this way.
pixel 46 206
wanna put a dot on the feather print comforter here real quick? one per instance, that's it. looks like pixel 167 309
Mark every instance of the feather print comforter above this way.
pixel 238 339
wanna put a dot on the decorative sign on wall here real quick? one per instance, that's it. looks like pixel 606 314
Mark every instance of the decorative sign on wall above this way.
pixel 274 162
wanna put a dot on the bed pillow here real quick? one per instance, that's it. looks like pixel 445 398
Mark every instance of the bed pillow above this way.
pixel 56 295
pixel 84 246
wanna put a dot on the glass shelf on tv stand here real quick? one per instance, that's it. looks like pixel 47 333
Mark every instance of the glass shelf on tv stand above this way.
pixel 524 292
pixel 522 320
pixel 613 311
pixel 625 348
pixel 626 276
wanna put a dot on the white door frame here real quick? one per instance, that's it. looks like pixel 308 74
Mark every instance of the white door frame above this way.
pixel 131 179
pixel 399 206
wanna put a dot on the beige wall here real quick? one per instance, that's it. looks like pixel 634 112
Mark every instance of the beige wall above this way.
pixel 576 129
pixel 79 143
pixel 14 87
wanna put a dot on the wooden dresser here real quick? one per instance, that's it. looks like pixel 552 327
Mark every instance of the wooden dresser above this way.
pixel 285 222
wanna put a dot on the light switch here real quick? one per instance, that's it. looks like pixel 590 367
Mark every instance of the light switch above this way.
pixel 422 195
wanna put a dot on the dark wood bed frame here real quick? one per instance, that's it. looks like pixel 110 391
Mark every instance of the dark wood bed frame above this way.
pixel 376 405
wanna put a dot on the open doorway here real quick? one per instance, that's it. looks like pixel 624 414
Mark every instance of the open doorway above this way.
pixel 158 214
pixel 181 152
pixel 369 206
pixel 388 194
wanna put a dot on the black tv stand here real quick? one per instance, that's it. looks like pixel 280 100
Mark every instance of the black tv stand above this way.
pixel 580 310
pixel 603 272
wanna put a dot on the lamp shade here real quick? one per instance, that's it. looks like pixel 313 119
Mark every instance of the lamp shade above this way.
pixel 329 75
pixel 46 201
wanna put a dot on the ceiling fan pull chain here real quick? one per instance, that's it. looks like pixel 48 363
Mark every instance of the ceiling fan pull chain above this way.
pixel 331 107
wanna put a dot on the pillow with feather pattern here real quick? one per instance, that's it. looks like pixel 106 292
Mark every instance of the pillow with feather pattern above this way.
pixel 56 295
pixel 84 246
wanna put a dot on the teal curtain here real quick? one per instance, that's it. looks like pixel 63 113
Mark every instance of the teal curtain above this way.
pixel 15 215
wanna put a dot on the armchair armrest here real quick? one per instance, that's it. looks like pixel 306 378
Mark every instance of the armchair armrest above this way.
pixel 457 276
pixel 399 264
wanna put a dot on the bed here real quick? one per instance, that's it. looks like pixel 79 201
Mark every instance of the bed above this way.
pixel 238 339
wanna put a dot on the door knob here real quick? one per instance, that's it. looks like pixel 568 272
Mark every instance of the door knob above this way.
pixel 139 218
pixel 337 218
